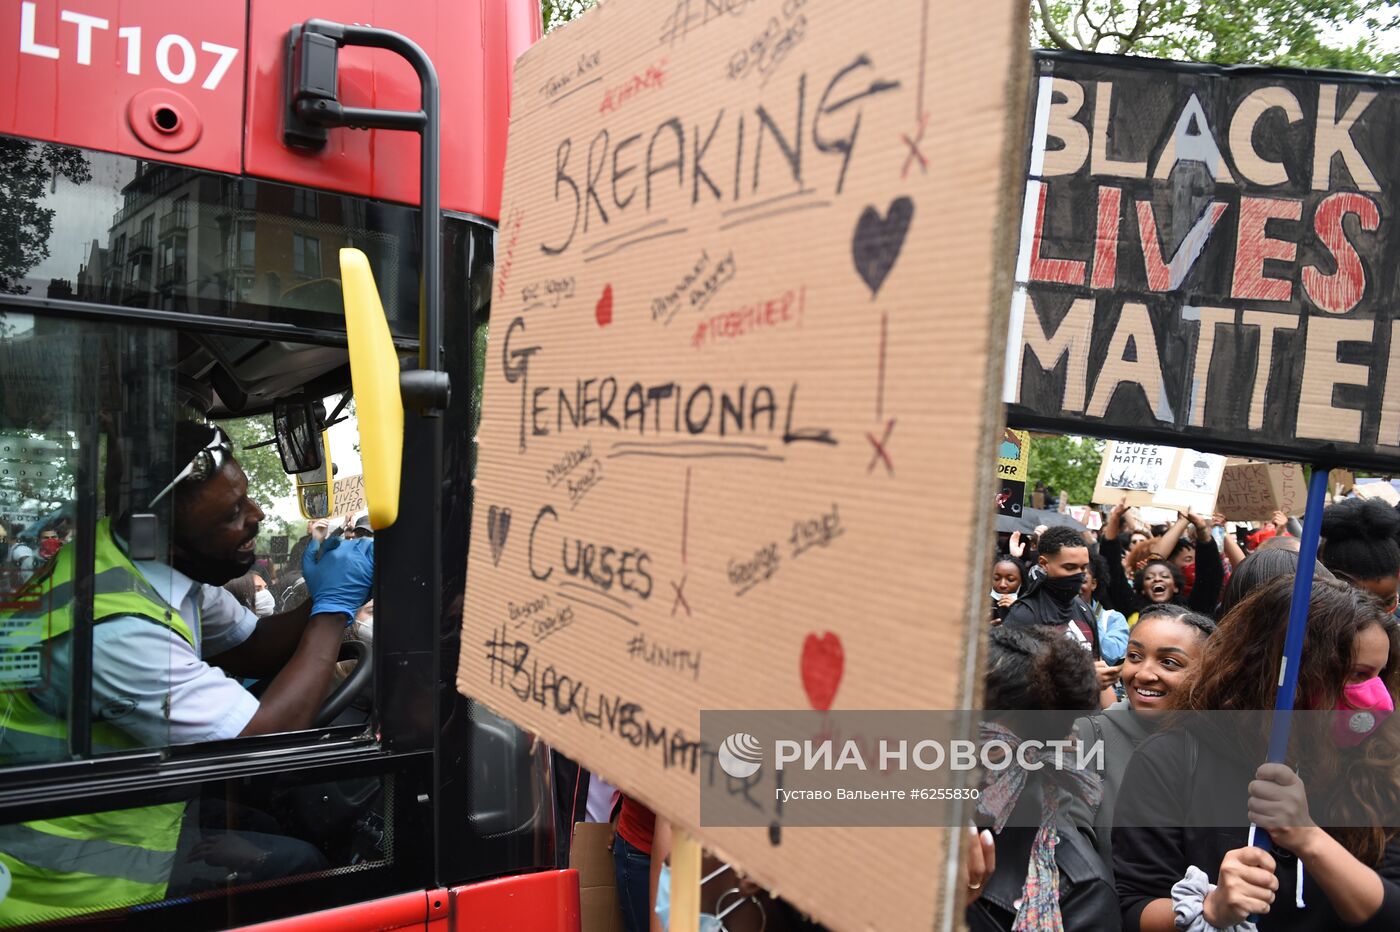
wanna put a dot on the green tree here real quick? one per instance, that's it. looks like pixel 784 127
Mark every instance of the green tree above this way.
pixel 267 483
pixel 558 12
pixel 1264 32
pixel 1066 464
pixel 26 169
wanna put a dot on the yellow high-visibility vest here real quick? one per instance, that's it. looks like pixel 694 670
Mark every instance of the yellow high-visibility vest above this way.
pixel 103 860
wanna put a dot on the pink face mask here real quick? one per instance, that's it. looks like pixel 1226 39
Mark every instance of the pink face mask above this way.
pixel 1360 712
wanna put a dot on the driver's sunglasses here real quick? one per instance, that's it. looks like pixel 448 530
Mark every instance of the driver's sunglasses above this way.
pixel 205 463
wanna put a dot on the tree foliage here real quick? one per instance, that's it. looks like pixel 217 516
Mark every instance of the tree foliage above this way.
pixel 558 12
pixel 1066 464
pixel 26 169
pixel 267 483
pixel 1295 33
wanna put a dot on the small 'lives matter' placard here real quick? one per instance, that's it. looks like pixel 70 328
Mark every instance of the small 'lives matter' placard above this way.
pixel 751 278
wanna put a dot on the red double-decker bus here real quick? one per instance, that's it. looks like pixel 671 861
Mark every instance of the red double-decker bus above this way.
pixel 177 180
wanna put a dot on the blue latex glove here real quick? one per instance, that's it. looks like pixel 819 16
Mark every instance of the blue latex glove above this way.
pixel 339 575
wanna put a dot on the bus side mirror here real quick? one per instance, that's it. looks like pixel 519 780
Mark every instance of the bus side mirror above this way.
pixel 298 436
pixel 374 376
pixel 316 487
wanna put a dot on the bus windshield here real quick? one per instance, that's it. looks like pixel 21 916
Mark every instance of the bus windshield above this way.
pixel 107 229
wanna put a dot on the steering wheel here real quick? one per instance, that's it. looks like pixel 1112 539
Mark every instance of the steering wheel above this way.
pixel 354 685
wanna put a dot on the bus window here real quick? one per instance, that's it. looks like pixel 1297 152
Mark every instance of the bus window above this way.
pixel 129 530
pixel 85 418
pixel 108 229
pixel 231 837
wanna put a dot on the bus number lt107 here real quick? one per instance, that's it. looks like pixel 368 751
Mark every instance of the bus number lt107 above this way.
pixel 174 55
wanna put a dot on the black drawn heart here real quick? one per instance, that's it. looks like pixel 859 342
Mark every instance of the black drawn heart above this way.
pixel 497 527
pixel 878 240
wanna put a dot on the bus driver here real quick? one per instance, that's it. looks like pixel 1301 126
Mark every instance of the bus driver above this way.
pixel 167 645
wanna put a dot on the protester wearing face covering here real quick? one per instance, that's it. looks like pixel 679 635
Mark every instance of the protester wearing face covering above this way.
pixel 1053 598
pixel 264 603
pixel 1182 857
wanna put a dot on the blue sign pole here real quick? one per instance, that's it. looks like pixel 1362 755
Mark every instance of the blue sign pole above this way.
pixel 1297 627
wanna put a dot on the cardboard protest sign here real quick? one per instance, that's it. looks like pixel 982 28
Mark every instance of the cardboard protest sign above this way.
pixel 1206 260
pixel 1086 515
pixel 1254 491
pixel 350 495
pixel 1381 489
pixel 1160 476
pixel 749 287
pixel 1013 461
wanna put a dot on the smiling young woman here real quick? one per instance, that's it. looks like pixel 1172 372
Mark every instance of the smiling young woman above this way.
pixel 1163 648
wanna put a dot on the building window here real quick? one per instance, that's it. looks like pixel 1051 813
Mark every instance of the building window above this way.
pixel 306 256
pixel 304 202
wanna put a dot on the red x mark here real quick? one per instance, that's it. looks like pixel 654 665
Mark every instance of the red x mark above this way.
pixel 881 453
pixel 680 597
pixel 914 152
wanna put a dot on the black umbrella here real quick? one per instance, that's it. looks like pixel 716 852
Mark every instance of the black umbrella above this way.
pixel 1031 518
pixel 1006 524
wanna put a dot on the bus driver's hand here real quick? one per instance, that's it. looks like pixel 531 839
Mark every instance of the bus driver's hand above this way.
pixel 339 575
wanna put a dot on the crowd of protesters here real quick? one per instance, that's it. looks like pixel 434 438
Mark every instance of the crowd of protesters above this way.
pixel 1126 636
pixel 1121 636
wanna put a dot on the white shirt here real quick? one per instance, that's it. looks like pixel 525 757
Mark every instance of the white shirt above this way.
pixel 601 797
pixel 149 682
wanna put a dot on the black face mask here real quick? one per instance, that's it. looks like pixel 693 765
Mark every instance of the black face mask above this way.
pixel 1063 589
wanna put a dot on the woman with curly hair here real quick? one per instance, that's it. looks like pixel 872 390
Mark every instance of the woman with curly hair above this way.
pixel 1153 572
pixel 1182 858
pixel 1046 875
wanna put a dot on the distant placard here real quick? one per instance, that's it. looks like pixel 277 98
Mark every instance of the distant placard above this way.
pixel 1013 461
pixel 1159 476
pixel 350 495
pixel 1206 259
pixel 1013 455
pixel 745 311
pixel 1254 491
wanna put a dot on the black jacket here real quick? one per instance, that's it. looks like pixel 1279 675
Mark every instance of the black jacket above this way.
pixel 1177 783
pixel 1205 594
pixel 1087 900
pixel 1036 607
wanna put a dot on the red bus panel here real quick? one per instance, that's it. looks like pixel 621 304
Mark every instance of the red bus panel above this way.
pixel 166 80
pixel 544 902
pixel 473 44
pixel 150 78
pixel 547 901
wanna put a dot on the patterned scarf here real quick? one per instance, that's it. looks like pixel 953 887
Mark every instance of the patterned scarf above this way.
pixel 1040 897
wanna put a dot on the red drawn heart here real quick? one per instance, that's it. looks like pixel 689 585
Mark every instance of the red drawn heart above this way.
pixel 603 312
pixel 823 662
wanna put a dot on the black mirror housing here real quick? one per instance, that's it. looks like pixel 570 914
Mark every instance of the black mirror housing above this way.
pixel 298 435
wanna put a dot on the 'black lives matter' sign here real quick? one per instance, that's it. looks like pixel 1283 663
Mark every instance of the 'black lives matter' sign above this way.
pixel 1208 258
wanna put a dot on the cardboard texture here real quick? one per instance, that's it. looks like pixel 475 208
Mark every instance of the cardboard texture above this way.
pixel 1378 488
pixel 597 879
pixel 1205 260
pixel 350 495
pixel 1159 476
pixel 751 281
pixel 1254 491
